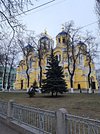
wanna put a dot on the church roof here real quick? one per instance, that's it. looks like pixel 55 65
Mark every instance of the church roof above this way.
pixel 28 47
pixel 44 38
pixel 63 33
pixel 81 43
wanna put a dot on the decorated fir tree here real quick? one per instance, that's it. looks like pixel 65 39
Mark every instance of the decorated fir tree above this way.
pixel 54 81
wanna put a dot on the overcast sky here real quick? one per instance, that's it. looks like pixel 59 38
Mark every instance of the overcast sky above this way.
pixel 52 16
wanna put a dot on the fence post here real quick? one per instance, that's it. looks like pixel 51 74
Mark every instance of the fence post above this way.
pixel 61 127
pixel 9 110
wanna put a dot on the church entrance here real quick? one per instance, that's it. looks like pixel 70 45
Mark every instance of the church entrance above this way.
pixel 79 88
pixel 93 85
pixel 21 84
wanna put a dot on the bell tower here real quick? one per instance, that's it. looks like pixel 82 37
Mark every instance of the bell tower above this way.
pixel 45 42
pixel 62 38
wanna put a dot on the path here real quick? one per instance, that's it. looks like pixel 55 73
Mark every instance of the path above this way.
pixel 6 130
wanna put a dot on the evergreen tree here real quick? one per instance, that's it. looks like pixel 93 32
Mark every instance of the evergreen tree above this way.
pixel 54 81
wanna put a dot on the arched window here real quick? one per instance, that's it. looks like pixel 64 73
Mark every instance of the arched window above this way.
pixel 30 63
pixel 59 40
pixel 59 57
pixel 63 40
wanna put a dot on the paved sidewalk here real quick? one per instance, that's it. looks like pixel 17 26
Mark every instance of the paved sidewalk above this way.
pixel 6 130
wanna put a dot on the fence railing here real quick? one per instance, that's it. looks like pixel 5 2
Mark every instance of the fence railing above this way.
pixel 81 125
pixel 49 122
pixel 3 108
pixel 43 120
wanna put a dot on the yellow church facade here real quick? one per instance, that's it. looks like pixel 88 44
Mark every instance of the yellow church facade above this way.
pixel 80 79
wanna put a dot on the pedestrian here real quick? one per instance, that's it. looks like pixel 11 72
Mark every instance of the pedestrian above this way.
pixel 79 88
pixel 31 92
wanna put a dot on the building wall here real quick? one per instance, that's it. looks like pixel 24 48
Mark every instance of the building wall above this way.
pixel 12 78
pixel 81 71
pixel 98 77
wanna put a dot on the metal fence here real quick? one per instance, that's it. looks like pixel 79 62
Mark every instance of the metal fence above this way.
pixel 3 108
pixel 49 122
pixel 81 125
pixel 43 120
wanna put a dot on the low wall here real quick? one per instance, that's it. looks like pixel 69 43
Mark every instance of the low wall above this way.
pixel 20 128
pixel 30 120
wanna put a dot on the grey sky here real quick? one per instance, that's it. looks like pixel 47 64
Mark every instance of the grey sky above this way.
pixel 52 16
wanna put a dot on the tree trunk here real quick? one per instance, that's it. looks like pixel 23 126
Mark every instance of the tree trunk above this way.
pixel 9 76
pixel 40 57
pixel 40 76
pixel 28 77
pixel 89 79
pixel 4 75
pixel 80 90
pixel 71 83
pixel 28 80
pixel 4 78
pixel 89 83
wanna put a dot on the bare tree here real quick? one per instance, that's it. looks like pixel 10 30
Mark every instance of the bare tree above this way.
pixel 40 59
pixel 76 46
pixel 91 53
pixel 98 10
pixel 44 45
pixel 27 46
pixel 5 45
pixel 14 51
pixel 9 9
pixel 73 39
pixel 7 48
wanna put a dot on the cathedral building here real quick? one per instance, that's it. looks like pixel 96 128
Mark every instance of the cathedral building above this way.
pixel 38 60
